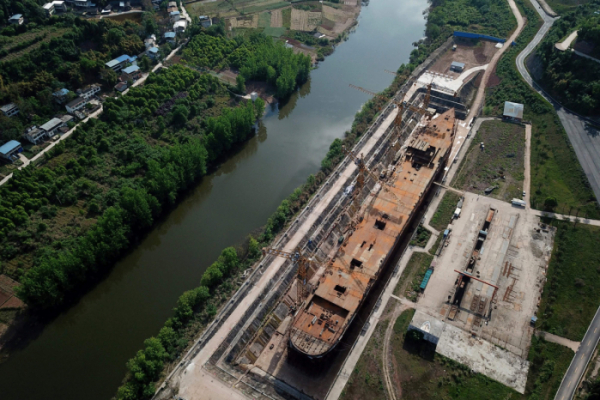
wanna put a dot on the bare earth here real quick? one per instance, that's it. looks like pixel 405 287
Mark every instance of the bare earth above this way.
pixel 276 19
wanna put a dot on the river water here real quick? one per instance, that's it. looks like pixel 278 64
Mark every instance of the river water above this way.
pixel 82 353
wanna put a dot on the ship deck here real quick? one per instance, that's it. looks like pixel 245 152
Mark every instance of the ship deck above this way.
pixel 381 221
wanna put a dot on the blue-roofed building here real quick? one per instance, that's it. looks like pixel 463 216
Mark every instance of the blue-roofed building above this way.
pixel 175 16
pixel 16 19
pixel 61 96
pixel 130 73
pixel 131 69
pixel 170 37
pixel 118 63
pixel 153 52
pixel 9 151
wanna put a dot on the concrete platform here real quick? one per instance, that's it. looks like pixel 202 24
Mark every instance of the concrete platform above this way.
pixel 483 357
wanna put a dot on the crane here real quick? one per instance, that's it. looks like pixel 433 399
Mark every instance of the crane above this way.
pixel 303 266
pixel 401 105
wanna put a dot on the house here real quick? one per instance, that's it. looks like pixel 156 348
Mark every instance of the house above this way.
pixel 171 9
pixel 457 66
pixel 16 19
pixel 205 21
pixel 77 104
pixel 179 26
pixel 153 53
pixel 172 4
pixel 513 112
pixel 34 135
pixel 171 37
pixel 60 6
pixel 175 16
pixel 60 96
pixel 52 126
pixel 82 4
pixel 49 9
pixel 150 41
pixel 118 63
pixel 89 91
pixel 106 10
pixel 10 109
pixel 121 86
pixel 131 73
pixel 67 118
pixel 10 149
pixel 431 328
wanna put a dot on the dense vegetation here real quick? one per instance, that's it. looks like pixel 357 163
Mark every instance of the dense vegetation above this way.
pixel 70 60
pixel 256 57
pixel 491 17
pixel 71 218
pixel 555 170
pixel 570 78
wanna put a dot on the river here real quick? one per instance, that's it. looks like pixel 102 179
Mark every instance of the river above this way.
pixel 82 353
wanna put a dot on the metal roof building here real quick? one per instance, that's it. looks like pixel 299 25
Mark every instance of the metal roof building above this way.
pixel 513 111
pixel 431 328
pixel 457 66
pixel 131 69
pixel 170 35
pixel 52 124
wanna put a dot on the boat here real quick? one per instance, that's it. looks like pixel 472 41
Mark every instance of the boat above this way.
pixel 324 317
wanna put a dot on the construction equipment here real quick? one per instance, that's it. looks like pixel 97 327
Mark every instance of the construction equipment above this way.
pixel 401 105
pixel 364 170
pixel 303 266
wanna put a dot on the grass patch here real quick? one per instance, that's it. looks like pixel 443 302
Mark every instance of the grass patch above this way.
pixel 45 35
pixel 264 20
pixel 421 238
pixel 572 292
pixel 500 163
pixel 549 362
pixel 445 211
pixel 274 32
pixel 562 6
pixel 435 246
pixel 366 381
pixel 413 274
pixel 286 16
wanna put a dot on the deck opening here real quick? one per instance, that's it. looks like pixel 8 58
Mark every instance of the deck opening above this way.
pixel 379 224
pixel 370 246
pixel 363 244
pixel 339 289
pixel 355 263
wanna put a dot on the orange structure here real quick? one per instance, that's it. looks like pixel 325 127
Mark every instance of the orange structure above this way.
pixel 328 312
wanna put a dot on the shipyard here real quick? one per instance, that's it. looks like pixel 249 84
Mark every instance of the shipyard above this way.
pixel 337 268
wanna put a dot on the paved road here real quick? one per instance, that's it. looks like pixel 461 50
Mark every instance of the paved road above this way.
pixel 584 139
pixel 586 143
pixel 579 363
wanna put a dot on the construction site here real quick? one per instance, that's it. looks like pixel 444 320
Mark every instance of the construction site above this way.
pixel 288 331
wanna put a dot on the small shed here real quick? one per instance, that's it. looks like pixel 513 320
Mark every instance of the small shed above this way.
pixel 121 86
pixel 457 66
pixel 16 19
pixel 10 149
pixel 431 328
pixel 513 112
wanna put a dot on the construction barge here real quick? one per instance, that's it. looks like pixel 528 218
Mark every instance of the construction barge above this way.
pixel 376 231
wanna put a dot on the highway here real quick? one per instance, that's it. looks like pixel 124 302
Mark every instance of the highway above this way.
pixel 586 143
pixel 584 139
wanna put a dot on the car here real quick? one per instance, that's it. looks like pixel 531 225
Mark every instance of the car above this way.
pixel 523 194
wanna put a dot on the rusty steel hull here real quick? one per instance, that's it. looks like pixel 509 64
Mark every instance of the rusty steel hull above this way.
pixel 377 230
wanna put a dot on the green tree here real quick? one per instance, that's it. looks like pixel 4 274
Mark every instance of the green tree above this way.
pixel 550 203
pixel 180 115
pixel 240 84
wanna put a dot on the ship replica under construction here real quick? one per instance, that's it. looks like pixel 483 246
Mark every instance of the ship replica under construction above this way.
pixel 328 311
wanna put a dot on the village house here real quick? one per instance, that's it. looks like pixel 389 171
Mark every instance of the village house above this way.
pixel 61 96
pixel 205 21
pixel 76 105
pixel 16 19
pixel 171 37
pixel 9 151
pixel 10 109
pixel 131 73
pixel 118 63
pixel 89 91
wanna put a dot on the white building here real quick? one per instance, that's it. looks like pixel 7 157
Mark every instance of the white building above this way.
pixel 60 6
pixel 83 3
pixel 34 135
pixel 118 63
pixel 76 105
pixel 49 9
pixel 10 109
pixel 52 126
pixel 179 26
pixel 89 91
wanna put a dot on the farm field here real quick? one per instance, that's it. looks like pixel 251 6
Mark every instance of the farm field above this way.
pixel 445 210
pixel 500 164
pixel 413 274
pixel 45 35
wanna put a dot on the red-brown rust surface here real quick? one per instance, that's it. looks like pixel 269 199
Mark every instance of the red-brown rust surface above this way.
pixel 358 262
